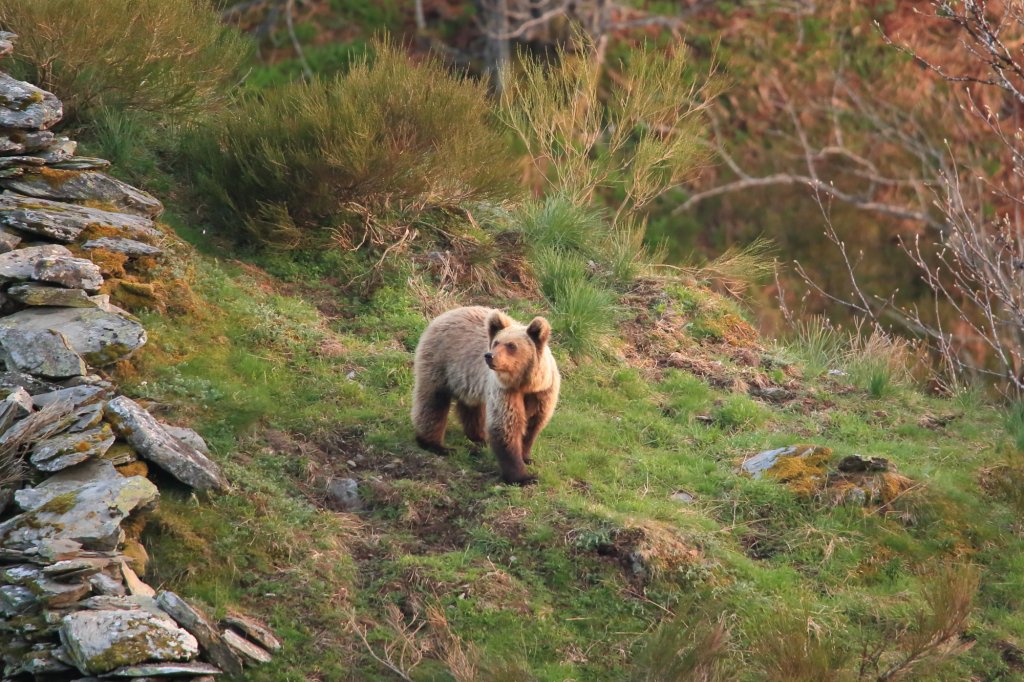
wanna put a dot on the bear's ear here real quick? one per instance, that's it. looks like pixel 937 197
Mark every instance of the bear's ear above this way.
pixel 496 321
pixel 540 331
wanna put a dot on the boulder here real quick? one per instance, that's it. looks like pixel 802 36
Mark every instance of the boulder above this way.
pixel 14 141
pixel 195 622
pixel 18 265
pixel 85 504
pixel 188 437
pixel 11 380
pixel 129 247
pixel 25 106
pixel 76 396
pixel 64 451
pixel 104 641
pixel 99 336
pixel 49 295
pixel 85 186
pixel 65 222
pixel 42 352
pixel 153 442
pixel 70 272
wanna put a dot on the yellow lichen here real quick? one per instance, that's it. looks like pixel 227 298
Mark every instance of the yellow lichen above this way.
pixel 805 471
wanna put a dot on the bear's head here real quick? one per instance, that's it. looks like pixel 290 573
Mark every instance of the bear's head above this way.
pixel 515 350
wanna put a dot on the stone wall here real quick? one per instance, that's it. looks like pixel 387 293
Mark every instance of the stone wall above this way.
pixel 75 455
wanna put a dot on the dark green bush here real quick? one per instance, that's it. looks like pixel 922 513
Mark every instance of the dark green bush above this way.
pixel 388 134
pixel 151 55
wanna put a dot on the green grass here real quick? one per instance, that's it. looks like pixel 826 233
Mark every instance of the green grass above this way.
pixel 529 578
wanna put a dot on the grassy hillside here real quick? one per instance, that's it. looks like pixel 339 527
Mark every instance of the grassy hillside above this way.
pixel 283 326
pixel 298 368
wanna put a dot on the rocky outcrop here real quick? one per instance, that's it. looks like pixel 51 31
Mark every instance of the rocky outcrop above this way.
pixel 72 603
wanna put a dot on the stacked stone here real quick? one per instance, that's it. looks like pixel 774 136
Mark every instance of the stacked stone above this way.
pixel 72 605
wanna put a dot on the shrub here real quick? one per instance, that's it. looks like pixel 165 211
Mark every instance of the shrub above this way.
pixel 819 345
pixel 151 55
pixel 389 133
pixel 739 411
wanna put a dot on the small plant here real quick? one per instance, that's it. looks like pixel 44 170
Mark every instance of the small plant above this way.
pixel 150 55
pixel 686 650
pixel 791 650
pixel 584 314
pixel 819 345
pixel 557 223
pixel 737 412
pixel 878 361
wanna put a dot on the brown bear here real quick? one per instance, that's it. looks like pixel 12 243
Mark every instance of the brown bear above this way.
pixel 501 375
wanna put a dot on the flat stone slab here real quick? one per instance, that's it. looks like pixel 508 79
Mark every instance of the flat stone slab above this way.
pixel 68 271
pixel 155 671
pixel 196 622
pixel 76 396
pixel 85 186
pixel 18 265
pixel 23 105
pixel 62 452
pixel 65 222
pixel 129 247
pixel 254 630
pixel 98 336
pixel 50 295
pixel 188 437
pixel 153 442
pixel 105 641
pixel 41 352
pixel 246 649
pixel 85 504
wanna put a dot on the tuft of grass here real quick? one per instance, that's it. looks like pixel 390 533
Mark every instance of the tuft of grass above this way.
pixel 388 134
pixel 878 362
pixel 686 649
pixel 739 412
pixel 558 223
pixel 819 345
pixel 1013 421
pixel 149 55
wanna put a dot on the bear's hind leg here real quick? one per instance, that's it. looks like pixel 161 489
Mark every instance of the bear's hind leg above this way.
pixel 473 418
pixel 431 420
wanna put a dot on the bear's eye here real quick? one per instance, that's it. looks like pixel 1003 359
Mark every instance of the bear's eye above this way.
pixel 511 347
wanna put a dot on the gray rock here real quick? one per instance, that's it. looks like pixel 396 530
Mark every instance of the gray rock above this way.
pixel 70 272
pixel 65 222
pixel 858 464
pixel 56 595
pixel 81 163
pixel 254 630
pixel 104 641
pixel 26 161
pixel 343 495
pixel 49 295
pixel 34 385
pixel 16 405
pixel 84 504
pixel 42 662
pixel 682 497
pixel 99 336
pixel 763 461
pixel 42 352
pixel 18 265
pixel 79 567
pixel 102 584
pixel 40 425
pixel 25 106
pixel 129 247
pixel 16 599
pixel 62 452
pixel 155 671
pixel 8 240
pixel 14 141
pixel 85 186
pixel 88 417
pixel 188 437
pixel 76 396
pixel 246 649
pixel 153 442
pixel 195 622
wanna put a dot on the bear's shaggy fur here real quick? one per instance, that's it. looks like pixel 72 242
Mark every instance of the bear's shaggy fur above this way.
pixel 500 373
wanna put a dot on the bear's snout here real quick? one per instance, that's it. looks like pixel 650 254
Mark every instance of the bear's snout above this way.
pixel 489 359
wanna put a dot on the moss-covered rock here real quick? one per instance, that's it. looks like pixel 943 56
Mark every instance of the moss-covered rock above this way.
pixel 101 641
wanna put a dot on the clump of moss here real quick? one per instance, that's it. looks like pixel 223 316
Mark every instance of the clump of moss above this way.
pixel 805 471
